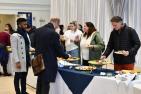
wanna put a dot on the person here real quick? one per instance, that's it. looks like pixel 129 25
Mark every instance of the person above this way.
pixel 91 44
pixel 60 31
pixel 9 28
pixel 72 39
pixel 69 26
pixel 30 30
pixel 20 45
pixel 80 27
pixel 48 44
pixel 125 43
pixel 4 42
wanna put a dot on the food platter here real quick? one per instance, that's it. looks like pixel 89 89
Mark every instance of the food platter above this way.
pixel 99 62
pixel 85 68
pixel 73 59
pixel 69 59
pixel 130 71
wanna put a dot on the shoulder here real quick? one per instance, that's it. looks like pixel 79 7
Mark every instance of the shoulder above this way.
pixel 15 35
pixel 79 32
pixel 130 29
pixel 67 31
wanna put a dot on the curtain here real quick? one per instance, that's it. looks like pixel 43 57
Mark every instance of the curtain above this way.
pixel 99 12
pixel 118 7
pixel 96 11
pixel 132 17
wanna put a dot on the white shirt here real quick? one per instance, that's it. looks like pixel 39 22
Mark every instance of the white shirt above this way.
pixel 84 46
pixel 71 35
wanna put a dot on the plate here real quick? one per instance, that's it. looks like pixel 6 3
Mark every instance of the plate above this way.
pixel 85 68
pixel 73 59
pixel 99 62
pixel 118 52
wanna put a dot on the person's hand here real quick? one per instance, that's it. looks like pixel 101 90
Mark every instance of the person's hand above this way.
pixel 32 49
pixel 62 38
pixel 125 53
pixel 69 56
pixel 90 46
pixel 103 57
pixel 77 39
pixel 18 65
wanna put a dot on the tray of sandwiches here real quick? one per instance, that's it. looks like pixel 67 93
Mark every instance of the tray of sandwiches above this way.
pixel 85 68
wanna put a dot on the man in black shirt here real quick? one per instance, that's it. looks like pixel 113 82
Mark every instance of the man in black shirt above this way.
pixel 125 43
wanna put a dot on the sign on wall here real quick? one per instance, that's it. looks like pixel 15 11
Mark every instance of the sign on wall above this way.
pixel 27 15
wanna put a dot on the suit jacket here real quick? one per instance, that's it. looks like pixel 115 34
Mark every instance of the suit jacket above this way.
pixel 46 42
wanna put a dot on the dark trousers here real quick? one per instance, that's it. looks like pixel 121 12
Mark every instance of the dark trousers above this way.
pixel 85 62
pixel 42 86
pixel 20 79
pixel 5 68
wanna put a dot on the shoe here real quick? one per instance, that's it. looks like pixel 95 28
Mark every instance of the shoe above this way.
pixel 0 73
pixel 7 74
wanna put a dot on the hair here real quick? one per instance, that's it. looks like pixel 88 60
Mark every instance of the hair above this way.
pixel 29 26
pixel 81 27
pixel 90 30
pixel 11 31
pixel 20 20
pixel 55 20
pixel 116 19
pixel 61 29
pixel 74 23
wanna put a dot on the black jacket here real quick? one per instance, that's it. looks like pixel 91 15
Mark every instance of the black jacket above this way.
pixel 127 39
pixel 46 41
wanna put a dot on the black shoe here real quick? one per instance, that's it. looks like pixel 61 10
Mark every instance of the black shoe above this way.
pixel 0 73
pixel 7 74
pixel 25 93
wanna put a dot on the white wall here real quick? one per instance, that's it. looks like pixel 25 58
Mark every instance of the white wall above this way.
pixel 26 1
pixel 40 9
pixel 4 19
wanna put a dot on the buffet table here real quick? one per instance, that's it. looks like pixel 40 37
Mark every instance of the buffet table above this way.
pixel 70 81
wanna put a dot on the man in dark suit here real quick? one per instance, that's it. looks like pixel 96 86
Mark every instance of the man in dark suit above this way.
pixel 46 42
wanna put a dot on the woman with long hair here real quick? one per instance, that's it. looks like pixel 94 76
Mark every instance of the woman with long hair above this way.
pixel 91 44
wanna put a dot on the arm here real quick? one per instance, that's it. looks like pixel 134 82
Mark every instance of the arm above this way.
pixel 58 47
pixel 14 46
pixel 109 46
pixel 33 41
pixel 99 44
pixel 136 42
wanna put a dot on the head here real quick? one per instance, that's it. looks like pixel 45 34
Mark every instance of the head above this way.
pixel 22 23
pixel 8 28
pixel 55 22
pixel 117 22
pixel 28 28
pixel 73 25
pixel 89 28
pixel 69 27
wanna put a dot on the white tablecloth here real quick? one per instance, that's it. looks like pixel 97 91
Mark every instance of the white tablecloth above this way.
pixel 98 85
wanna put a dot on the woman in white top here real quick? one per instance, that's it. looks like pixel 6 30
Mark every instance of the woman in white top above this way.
pixel 91 44
pixel 72 38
